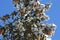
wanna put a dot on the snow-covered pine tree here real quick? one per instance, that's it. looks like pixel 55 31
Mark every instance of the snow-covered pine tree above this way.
pixel 28 22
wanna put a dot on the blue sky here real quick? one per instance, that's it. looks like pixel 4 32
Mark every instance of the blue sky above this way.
pixel 6 7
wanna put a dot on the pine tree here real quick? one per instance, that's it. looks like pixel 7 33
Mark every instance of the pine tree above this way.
pixel 28 21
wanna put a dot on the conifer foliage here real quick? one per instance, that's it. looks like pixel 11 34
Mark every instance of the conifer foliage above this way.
pixel 27 22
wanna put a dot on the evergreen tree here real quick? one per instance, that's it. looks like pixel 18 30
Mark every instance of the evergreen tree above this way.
pixel 28 22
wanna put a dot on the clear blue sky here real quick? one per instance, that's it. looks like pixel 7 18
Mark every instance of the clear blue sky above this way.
pixel 6 7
